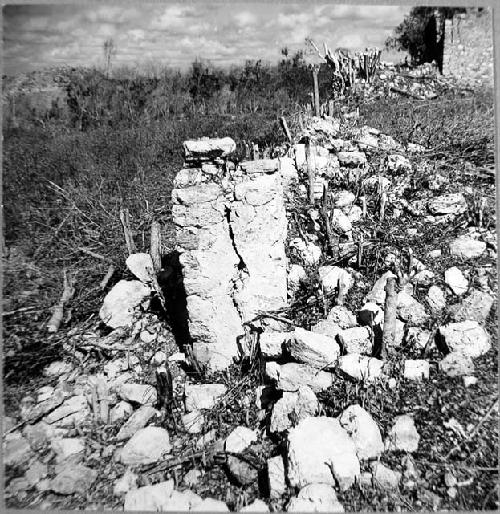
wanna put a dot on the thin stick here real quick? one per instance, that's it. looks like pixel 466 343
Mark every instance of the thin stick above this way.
pixel 389 316
pixel 129 240
pixel 57 317
pixel 285 128
pixel 107 277
pixel 92 254
pixel 155 247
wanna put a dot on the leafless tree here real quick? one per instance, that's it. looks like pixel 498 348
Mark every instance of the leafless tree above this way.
pixel 109 52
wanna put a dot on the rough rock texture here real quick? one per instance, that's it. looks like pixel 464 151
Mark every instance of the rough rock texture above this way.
pixel 292 408
pixel 453 203
pixel 276 476
pixel 456 364
pixel 356 340
pixel 146 446
pixel 142 394
pixel 141 265
pixel 467 248
pixel 331 276
pixel 317 350
pixel 475 307
pixel 74 478
pixel 385 477
pixel 239 439
pixel 139 419
pixel 342 316
pixel 120 303
pixel 409 309
pixel 436 299
pixel 416 369
pixel 315 498
pixel 361 367
pixel 271 343
pixel 230 234
pixel 293 375
pixel 456 280
pixel 403 435
pixel 320 450
pixel 203 396
pixel 466 337
pixel 364 432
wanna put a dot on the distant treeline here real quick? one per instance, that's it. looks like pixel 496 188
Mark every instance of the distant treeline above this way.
pixel 90 99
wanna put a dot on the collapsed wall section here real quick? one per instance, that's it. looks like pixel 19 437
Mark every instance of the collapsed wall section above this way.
pixel 230 234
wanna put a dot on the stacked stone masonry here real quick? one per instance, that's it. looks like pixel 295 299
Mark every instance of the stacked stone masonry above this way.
pixel 468 46
pixel 230 231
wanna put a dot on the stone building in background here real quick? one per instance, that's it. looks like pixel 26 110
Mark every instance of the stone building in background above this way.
pixel 468 46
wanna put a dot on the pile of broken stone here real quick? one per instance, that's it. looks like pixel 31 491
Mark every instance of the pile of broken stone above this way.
pixel 232 227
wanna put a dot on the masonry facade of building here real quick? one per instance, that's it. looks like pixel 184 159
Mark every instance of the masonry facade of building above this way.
pixel 468 46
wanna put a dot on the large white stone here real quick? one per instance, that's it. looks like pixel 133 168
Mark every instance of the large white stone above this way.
pixel 240 439
pixel 296 275
pixel 256 506
pixel 475 307
pixel 456 364
pixel 315 498
pixel 385 477
pixel 317 350
pixel 271 343
pixel 150 497
pixel 142 394
pixel 453 203
pixel 465 337
pixel 377 294
pixel 409 309
pixel 308 252
pixel 291 376
pixel 320 450
pixel 467 248
pixel 141 265
pixel 145 446
pixel 67 447
pixel 209 147
pixel 139 419
pixel 364 432
pixel 342 316
pixel 416 369
pixel 352 158
pixel 403 435
pixel 436 299
pixel 456 280
pixel 356 340
pixel 203 396
pixel 361 367
pixel 121 302
pixel 276 477
pixel 332 277
pixel 291 408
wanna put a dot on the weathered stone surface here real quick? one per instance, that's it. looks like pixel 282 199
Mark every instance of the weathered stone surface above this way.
pixel 73 409
pixel 308 252
pixel 453 203
pixel 40 434
pixel 240 439
pixel 291 376
pixel 292 408
pixel 241 471
pixel 146 446
pixel 260 166
pixel 16 450
pixel 327 328
pixel 287 170
pixel 296 275
pixel 475 307
pixel 126 483
pixel 206 147
pixel 340 222
pixel 120 303
pixel 36 472
pixel 317 350
pixel 142 394
pixel 193 422
pixel 384 477
pixel 436 299
pixel 333 277
pixel 141 265
pixel 74 478
pixel 356 340
pixel 361 367
pixel 467 248
pixel 398 163
pixel 68 447
pixel 56 368
pixel 139 419
pixel 352 158
pixel 120 411
pixel 416 369
pixel 203 396
pixel 276 477
pixel 320 450
pixel 271 343
pixel 315 498
pixel 403 435
pixel 410 310
pixel 456 364
pixel 363 430
pixel 150 497
pixel 377 294
pixel 343 198
pixel 256 506
pixel 342 316
pixel 466 337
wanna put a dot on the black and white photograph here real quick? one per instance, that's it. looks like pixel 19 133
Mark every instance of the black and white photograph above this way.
pixel 249 257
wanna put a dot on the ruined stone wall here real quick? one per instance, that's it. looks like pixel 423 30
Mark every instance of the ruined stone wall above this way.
pixel 468 47
pixel 230 233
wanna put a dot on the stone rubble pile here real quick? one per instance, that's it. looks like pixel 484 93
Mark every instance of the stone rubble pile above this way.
pixel 233 235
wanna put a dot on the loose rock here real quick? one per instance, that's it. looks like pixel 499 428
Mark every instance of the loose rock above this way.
pixel 342 316
pixel 276 477
pixel 364 432
pixel 467 248
pixel 384 477
pixel 436 299
pixel 416 369
pixel 475 307
pixel 203 396
pixel 240 439
pixel 289 410
pixel 146 446
pixel 466 337
pixel 317 350
pixel 141 265
pixel 456 364
pixel 356 340
pixel 456 281
pixel 403 435
pixel 142 394
pixel 291 376
pixel 315 498
pixel 139 419
pixel 361 367
pixel 74 478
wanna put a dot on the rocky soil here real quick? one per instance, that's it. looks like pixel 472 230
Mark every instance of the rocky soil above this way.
pixel 311 414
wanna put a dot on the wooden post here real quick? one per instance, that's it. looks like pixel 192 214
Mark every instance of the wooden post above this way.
pixel 389 316
pixel 315 72
pixel 310 171
pixel 124 218
pixel 155 246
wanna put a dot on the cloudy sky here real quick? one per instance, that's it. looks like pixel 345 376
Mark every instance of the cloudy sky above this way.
pixel 174 34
